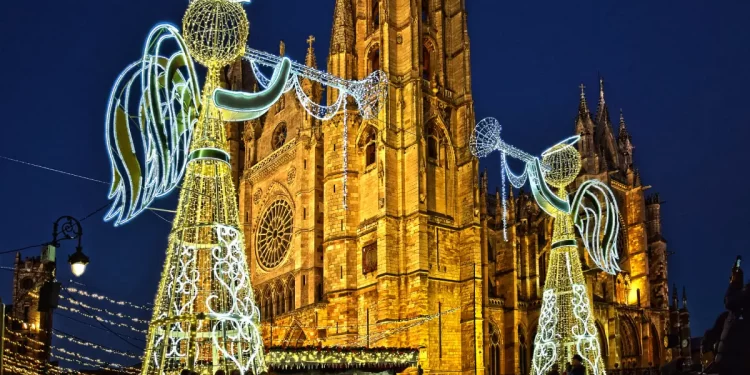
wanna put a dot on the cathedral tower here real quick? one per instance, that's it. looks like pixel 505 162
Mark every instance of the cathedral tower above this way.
pixel 409 237
pixel 392 234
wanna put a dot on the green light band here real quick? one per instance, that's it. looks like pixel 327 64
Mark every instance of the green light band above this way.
pixel 564 243
pixel 209 153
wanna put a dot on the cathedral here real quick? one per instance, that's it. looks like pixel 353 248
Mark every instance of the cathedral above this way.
pixel 402 244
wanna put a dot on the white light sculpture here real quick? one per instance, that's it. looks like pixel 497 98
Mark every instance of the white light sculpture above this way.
pixel 160 126
pixel 566 322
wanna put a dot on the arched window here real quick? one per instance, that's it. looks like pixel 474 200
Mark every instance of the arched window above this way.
pixel 374 58
pixel 434 139
pixel 425 11
pixel 495 352
pixel 375 14
pixel 370 146
pixel 426 63
pixel 290 296
pixel 522 351
pixel 543 269
pixel 490 251
pixel 279 136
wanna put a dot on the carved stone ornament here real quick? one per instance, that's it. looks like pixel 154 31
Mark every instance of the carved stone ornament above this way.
pixel 399 38
pixel 257 195
pixel 290 175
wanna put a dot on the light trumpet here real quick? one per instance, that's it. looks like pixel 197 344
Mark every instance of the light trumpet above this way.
pixel 369 93
pixel 486 139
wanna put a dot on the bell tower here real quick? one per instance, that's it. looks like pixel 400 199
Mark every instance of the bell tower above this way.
pixel 407 244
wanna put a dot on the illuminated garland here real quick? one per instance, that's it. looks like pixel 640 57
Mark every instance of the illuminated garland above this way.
pixel 98 363
pixel 337 358
pixel 105 311
pixel 18 367
pixel 99 319
pixel 105 298
pixel 25 337
pixel 27 347
pixel 95 346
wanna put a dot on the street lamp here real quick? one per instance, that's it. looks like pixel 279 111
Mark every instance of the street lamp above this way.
pixel 68 228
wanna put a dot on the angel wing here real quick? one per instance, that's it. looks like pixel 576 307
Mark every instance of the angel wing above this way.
pixel 596 216
pixel 152 110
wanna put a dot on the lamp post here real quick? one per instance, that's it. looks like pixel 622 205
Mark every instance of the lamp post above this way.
pixel 69 228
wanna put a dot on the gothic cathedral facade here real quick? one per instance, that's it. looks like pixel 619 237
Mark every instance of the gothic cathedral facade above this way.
pixel 416 257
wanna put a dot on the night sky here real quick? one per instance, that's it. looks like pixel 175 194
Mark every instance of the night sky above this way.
pixel 679 70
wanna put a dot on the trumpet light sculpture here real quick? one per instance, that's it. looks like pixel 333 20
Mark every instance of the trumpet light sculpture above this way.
pixel 161 126
pixel 566 321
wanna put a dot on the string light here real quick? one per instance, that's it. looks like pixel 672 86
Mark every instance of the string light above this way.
pixel 105 311
pixel 100 319
pixel 95 346
pixel 27 347
pixel 566 324
pixel 105 298
pixel 98 363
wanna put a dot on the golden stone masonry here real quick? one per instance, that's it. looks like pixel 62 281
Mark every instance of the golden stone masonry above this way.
pixel 422 235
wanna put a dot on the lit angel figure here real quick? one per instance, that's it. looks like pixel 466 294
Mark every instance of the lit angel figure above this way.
pixel 566 321
pixel 160 126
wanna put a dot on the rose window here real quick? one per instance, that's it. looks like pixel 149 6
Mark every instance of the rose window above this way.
pixel 274 234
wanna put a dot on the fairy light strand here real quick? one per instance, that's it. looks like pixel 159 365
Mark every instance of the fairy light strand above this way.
pixel 101 297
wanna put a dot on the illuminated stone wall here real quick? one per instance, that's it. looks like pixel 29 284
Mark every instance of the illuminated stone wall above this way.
pixel 421 205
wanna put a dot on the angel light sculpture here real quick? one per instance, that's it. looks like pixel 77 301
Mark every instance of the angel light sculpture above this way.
pixel 566 321
pixel 161 126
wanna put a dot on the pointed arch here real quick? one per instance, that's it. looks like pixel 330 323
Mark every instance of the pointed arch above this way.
pixel 296 336
pixel 429 57
pixel 523 351
pixel 375 14
pixel 436 124
pixel 629 340
pixel 440 168
pixel 656 346
pixel 603 343
pixel 495 363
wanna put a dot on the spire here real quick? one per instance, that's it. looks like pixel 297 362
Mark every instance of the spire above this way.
pixel 282 48
pixel 674 296
pixel 342 35
pixel 310 58
pixel 603 136
pixel 684 298
pixel 582 107
pixel 602 112
pixel 313 90
pixel 623 128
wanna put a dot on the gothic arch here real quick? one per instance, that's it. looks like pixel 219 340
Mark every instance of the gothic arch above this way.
pixel 439 123
pixel 655 345
pixel 367 142
pixel 524 356
pixel 603 342
pixel 495 363
pixel 429 61
pixel 630 348
pixel 374 57
pixel 296 336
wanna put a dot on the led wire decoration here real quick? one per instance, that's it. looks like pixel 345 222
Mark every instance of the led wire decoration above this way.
pixel 161 127
pixel 566 322
pixel 369 94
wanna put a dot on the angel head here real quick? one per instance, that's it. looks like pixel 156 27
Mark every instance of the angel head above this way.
pixel 215 31
pixel 564 162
